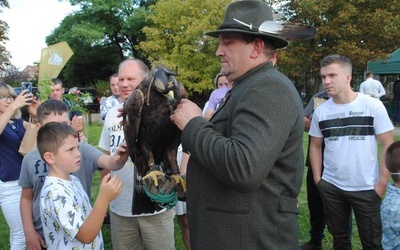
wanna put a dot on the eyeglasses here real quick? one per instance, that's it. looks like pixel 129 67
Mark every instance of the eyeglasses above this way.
pixel 7 98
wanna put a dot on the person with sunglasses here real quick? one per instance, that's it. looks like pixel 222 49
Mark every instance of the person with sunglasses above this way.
pixel 12 130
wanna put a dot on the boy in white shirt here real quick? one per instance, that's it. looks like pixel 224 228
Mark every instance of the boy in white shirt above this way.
pixel 68 219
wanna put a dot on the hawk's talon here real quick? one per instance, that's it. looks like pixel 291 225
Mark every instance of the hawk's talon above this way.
pixel 153 176
pixel 179 180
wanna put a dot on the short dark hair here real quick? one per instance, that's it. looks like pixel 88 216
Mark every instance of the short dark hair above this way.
pixel 52 135
pixel 269 49
pixel 339 59
pixel 57 81
pixel 51 107
pixel 368 74
pixel 112 76
pixel 392 160
pixel 216 79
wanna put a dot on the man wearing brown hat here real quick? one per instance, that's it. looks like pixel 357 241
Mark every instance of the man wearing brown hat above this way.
pixel 246 164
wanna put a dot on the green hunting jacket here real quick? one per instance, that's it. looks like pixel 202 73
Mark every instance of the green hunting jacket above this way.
pixel 246 166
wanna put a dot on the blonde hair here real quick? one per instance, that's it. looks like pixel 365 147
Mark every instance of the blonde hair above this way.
pixel 7 90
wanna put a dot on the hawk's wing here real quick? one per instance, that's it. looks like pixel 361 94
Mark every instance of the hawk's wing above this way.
pixel 132 112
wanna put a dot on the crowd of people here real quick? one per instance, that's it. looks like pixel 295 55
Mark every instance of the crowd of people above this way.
pixel 242 156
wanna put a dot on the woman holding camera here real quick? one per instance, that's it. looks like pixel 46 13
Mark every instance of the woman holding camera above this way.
pixel 12 130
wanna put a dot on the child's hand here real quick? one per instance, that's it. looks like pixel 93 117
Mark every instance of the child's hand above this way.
pixel 110 187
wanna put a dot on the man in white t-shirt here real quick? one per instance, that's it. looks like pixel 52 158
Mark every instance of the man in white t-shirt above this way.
pixel 350 124
pixel 108 102
pixel 153 230
pixel 372 87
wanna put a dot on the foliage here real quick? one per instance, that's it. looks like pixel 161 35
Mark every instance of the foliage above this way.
pixel 103 87
pixel 44 87
pixel 4 54
pixel 177 37
pixel 104 32
pixel 92 60
pixel 361 30
pixel 101 34
pixel 12 76
pixel 78 99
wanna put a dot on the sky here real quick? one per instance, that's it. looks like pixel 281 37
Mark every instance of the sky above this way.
pixel 30 21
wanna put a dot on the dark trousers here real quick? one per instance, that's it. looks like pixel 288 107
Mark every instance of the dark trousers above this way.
pixel 397 111
pixel 338 205
pixel 316 209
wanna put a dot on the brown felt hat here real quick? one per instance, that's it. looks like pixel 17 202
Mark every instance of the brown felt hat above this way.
pixel 246 17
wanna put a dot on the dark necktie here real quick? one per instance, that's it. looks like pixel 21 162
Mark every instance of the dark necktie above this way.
pixel 225 99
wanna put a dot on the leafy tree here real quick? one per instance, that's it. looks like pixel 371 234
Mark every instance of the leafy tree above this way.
pixel 177 37
pixel 12 76
pixel 104 32
pixel 91 60
pixel 361 30
pixel 4 54
pixel 101 34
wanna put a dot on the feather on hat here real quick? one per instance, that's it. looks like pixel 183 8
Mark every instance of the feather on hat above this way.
pixel 256 18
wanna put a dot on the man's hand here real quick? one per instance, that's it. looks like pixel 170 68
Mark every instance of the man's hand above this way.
pixel 122 154
pixel 119 115
pixel 184 112
pixel 380 188
pixel 317 179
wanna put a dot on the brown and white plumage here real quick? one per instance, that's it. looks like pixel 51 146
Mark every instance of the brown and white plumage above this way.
pixel 288 30
pixel 152 138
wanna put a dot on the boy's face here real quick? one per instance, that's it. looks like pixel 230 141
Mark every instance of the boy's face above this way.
pixel 64 118
pixel 67 159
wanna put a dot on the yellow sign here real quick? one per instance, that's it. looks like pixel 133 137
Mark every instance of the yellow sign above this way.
pixel 53 60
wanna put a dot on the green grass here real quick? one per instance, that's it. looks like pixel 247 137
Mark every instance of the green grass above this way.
pixel 94 131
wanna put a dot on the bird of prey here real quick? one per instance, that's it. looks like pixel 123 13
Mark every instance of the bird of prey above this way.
pixel 153 141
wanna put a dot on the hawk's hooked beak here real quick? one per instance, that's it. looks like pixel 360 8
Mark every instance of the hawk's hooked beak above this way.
pixel 170 96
